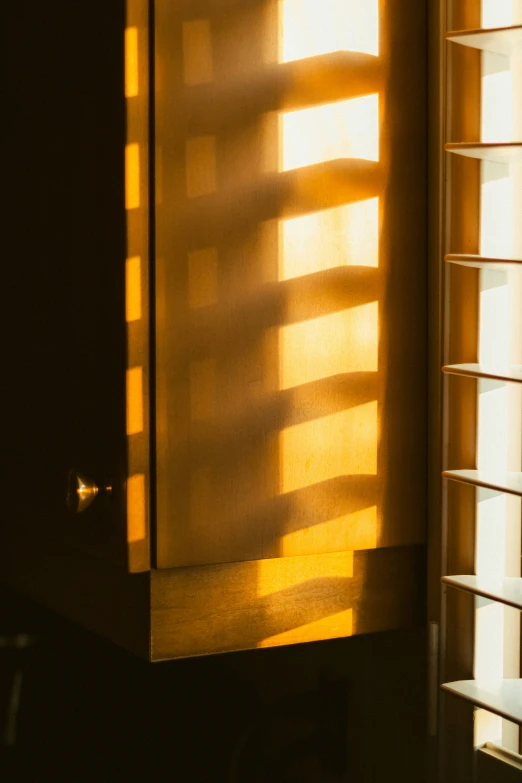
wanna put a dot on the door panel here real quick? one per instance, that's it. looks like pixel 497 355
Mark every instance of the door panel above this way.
pixel 290 279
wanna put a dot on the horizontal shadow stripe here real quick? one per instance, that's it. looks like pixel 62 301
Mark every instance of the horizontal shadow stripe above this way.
pixel 230 327
pixel 208 220
pixel 225 440
pixel 313 81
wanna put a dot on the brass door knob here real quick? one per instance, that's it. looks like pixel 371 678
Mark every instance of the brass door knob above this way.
pixel 81 491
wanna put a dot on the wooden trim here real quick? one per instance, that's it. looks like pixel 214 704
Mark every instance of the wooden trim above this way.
pixel 138 348
pixel 45 563
pixel 237 606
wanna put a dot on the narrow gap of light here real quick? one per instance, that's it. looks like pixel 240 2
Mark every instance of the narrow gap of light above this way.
pixel 497 628
pixel 496 226
pixel 134 400
pixel 133 289
pixel 132 176
pixel 136 528
pixel 493 426
pixel 487 727
pixel 494 338
pixel 497 103
pixel 131 62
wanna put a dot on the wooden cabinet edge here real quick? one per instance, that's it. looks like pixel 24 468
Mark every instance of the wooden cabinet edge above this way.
pixel 264 603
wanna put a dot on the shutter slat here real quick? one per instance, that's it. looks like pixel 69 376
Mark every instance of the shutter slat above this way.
pixel 505 152
pixel 506 591
pixel 503 698
pixel 500 40
pixel 510 482
pixel 513 373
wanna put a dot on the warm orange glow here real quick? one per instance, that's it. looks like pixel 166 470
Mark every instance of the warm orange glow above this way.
pixel 343 236
pixel 275 575
pixel 310 27
pixel 203 277
pixel 132 176
pixel 134 400
pixel 203 389
pixel 344 129
pixel 133 288
pixel 200 159
pixel 357 530
pixel 341 444
pixel 333 344
pixel 136 529
pixel 197 52
pixel 131 62
pixel 333 626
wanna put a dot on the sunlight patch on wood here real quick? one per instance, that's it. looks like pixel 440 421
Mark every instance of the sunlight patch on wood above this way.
pixel 330 345
pixel 334 626
pixel 341 444
pixel 357 530
pixel 343 236
pixel 276 575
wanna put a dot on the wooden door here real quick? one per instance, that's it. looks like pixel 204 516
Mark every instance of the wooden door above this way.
pixel 290 279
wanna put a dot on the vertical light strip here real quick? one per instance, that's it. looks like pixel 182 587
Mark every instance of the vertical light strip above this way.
pixel 499 442
pixel 132 176
pixel 133 289
pixel 344 443
pixel 136 517
pixel 131 62
pixel 134 400
pixel 136 90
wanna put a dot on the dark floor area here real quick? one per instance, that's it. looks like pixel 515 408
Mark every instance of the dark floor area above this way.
pixel 342 710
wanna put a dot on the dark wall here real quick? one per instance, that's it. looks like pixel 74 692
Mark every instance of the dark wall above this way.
pixel 344 710
pixel 62 380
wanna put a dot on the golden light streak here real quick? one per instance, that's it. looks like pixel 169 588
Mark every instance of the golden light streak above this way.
pixel 276 575
pixel 136 528
pixel 334 626
pixel 344 129
pixel 132 176
pixel 333 344
pixel 134 400
pixel 357 530
pixel 131 62
pixel 341 444
pixel 133 289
